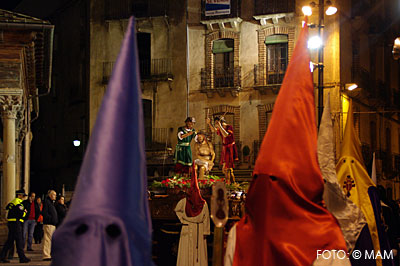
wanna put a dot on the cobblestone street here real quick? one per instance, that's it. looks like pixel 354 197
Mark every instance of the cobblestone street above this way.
pixel 35 256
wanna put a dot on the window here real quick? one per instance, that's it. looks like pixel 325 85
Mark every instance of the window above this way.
pixel 268 116
pixel 223 63
pixel 144 47
pixel 277 57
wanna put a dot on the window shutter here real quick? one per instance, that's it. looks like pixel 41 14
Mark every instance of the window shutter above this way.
pixel 278 38
pixel 222 46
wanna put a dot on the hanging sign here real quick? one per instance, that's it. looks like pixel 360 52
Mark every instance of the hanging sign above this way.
pixel 218 7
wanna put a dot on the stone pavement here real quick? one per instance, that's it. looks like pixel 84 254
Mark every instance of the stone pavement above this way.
pixel 35 256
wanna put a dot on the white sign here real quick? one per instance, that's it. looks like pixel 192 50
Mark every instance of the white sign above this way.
pixel 218 7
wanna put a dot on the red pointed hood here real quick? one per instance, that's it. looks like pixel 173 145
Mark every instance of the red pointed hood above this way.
pixel 285 222
pixel 194 200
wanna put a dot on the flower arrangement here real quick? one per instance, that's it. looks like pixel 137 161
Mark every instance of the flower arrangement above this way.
pixel 182 182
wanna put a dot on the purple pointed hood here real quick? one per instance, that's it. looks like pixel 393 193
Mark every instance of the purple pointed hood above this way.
pixel 109 220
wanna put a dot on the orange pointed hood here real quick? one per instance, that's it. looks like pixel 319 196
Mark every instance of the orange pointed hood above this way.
pixel 285 222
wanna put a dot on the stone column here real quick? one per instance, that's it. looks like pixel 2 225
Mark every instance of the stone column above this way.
pixel 27 160
pixel 9 106
pixel 18 164
pixel 20 129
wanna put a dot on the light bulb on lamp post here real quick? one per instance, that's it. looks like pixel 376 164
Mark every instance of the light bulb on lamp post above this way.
pixel 314 42
pixel 307 11
pixel 351 86
pixel 396 49
pixel 331 9
pixel 317 43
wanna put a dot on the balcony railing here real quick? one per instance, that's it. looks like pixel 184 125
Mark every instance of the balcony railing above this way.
pixel 123 9
pixel 263 78
pixel 267 80
pixel 265 7
pixel 156 69
pixel 157 139
pixel 375 89
pixel 221 79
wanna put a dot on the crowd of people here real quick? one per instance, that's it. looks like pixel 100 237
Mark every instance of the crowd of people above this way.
pixel 31 219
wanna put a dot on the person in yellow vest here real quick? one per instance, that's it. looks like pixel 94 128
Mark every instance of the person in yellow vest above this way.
pixel 15 218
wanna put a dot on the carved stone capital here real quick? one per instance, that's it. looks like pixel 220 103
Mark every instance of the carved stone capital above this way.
pixel 10 105
pixel 20 127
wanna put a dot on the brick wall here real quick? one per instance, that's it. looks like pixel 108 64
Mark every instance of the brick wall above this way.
pixel 262 50
pixel 235 110
pixel 263 119
pixel 215 35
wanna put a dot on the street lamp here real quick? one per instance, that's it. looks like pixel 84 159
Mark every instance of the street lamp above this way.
pixel 396 48
pixel 307 10
pixel 351 86
pixel 76 142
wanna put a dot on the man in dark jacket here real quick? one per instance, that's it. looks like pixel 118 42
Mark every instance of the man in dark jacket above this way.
pixel 32 214
pixel 50 221
pixel 15 218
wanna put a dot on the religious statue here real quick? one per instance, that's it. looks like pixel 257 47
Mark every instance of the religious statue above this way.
pixel 204 154
pixel 183 153
pixel 229 152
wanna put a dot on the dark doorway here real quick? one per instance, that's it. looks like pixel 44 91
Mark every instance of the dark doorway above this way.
pixel 144 46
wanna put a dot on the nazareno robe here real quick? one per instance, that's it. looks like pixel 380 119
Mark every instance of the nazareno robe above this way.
pixel 192 249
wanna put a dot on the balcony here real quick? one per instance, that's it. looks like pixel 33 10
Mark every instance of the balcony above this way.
pixel 389 163
pixel 154 70
pixel 221 81
pixel 376 91
pixel 264 7
pixel 123 9
pixel 265 81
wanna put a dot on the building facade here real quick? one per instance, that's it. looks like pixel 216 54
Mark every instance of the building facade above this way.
pixel 25 74
pixel 199 61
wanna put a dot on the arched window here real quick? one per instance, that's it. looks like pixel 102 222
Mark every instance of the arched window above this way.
pixel 277 57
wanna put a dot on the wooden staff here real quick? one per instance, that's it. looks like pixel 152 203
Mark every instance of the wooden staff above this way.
pixel 219 215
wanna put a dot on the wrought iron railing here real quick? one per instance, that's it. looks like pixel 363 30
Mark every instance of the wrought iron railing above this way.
pixel 264 78
pixel 156 68
pixel 374 89
pixel 123 9
pixel 159 68
pixel 221 78
pixel 265 7
pixel 161 135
